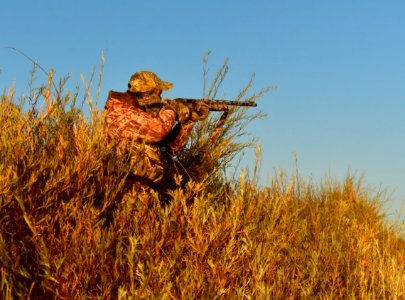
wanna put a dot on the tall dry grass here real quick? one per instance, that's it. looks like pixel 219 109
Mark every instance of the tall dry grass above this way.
pixel 66 234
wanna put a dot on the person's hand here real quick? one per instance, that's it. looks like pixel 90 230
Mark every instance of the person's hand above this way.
pixel 183 112
pixel 200 112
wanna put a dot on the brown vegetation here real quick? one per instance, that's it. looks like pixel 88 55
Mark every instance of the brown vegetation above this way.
pixel 65 233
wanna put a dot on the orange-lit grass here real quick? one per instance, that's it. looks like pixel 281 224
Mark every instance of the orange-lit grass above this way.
pixel 66 233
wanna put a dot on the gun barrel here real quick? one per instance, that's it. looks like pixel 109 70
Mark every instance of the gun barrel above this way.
pixel 238 103
pixel 217 105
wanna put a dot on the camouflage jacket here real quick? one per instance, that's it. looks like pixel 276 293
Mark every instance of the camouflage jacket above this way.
pixel 127 120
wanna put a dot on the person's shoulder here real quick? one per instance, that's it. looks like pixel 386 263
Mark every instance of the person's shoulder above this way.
pixel 124 97
pixel 116 95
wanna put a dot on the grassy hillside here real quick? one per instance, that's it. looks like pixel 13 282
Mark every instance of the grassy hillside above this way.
pixel 66 233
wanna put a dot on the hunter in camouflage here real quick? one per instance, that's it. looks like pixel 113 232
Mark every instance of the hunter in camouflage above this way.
pixel 140 119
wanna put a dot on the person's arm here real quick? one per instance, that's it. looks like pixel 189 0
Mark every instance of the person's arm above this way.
pixel 182 136
pixel 126 121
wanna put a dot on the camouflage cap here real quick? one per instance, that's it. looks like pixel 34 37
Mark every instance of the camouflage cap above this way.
pixel 145 81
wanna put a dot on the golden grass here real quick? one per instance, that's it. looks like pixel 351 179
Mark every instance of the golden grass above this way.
pixel 65 233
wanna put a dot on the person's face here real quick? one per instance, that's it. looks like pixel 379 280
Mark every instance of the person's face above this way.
pixel 158 93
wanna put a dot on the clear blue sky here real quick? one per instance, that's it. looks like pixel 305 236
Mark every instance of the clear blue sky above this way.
pixel 339 68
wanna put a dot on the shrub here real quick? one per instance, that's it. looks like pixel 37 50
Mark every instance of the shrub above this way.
pixel 65 233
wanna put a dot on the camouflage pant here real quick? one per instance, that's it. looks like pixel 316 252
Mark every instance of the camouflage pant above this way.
pixel 146 171
pixel 147 168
